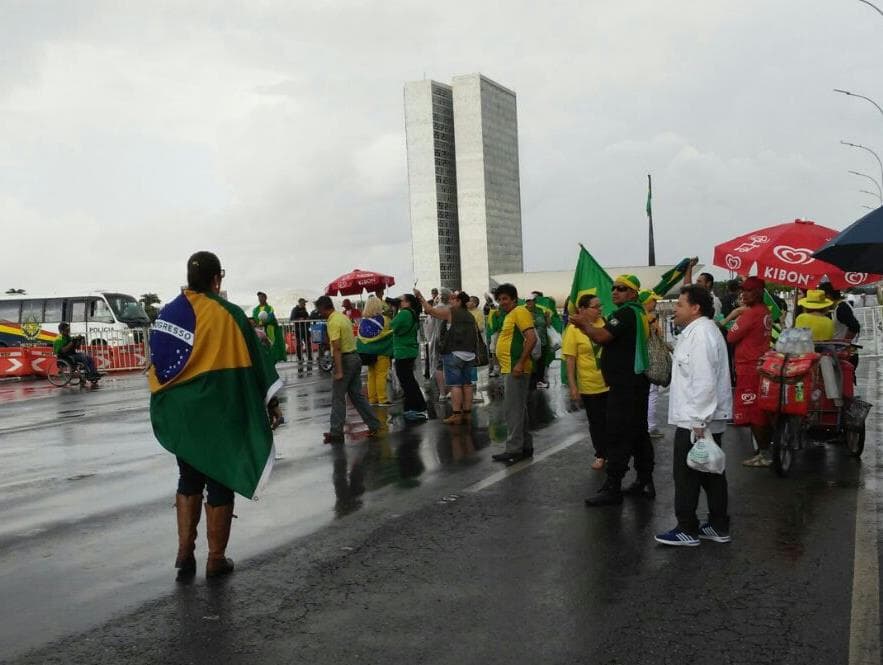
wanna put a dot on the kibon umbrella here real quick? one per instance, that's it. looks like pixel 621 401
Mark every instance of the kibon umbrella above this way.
pixel 783 254
pixel 353 283
pixel 859 248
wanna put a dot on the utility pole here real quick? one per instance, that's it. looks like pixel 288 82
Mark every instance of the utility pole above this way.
pixel 651 259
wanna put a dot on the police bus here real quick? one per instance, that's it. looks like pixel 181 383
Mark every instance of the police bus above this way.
pixel 102 317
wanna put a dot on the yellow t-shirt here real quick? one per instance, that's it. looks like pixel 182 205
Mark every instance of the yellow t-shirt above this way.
pixel 478 315
pixel 577 344
pixel 510 343
pixel 340 327
pixel 822 327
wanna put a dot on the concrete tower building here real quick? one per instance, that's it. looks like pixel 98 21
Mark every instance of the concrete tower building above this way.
pixel 432 184
pixel 465 194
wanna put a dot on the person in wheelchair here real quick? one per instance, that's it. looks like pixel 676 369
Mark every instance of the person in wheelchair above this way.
pixel 65 347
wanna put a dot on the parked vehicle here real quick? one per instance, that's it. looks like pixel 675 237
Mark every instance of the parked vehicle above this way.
pixel 103 318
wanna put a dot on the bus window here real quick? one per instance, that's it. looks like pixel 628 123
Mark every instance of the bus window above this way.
pixel 77 311
pixel 9 310
pixel 32 310
pixel 53 310
pixel 99 311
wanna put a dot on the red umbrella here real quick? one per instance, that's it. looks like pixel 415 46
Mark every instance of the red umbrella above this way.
pixel 783 255
pixel 353 283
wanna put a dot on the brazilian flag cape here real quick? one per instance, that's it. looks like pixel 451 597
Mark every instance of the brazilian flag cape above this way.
pixel 375 336
pixel 274 332
pixel 210 383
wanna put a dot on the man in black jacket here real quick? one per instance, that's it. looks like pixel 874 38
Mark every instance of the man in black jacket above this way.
pixel 299 319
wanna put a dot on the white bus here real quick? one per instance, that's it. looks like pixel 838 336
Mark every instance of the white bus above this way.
pixel 102 317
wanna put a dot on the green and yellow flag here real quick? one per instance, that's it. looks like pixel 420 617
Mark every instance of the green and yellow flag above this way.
pixel 210 382
pixel 590 278
pixel 672 277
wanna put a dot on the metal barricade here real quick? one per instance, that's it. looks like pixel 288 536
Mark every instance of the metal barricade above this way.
pixel 299 343
pixel 115 349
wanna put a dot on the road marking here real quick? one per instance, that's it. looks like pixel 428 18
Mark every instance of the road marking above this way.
pixel 494 478
pixel 864 622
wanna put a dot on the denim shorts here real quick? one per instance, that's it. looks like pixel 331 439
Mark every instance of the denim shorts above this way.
pixel 457 372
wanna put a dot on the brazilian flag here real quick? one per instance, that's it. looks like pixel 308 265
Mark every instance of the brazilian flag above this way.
pixel 590 278
pixel 671 277
pixel 210 382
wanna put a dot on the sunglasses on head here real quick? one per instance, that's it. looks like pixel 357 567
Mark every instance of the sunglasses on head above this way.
pixel 620 287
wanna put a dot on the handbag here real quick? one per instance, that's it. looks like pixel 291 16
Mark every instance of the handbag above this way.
pixel 706 456
pixel 481 354
pixel 659 370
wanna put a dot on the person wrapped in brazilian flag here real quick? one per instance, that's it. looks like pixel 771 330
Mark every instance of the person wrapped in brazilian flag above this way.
pixel 210 386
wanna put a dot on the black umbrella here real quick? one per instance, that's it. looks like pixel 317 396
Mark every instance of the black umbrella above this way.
pixel 859 248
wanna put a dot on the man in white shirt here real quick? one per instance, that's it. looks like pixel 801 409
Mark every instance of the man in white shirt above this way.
pixel 706 281
pixel 700 403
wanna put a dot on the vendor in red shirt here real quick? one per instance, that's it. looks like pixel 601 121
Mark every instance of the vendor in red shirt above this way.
pixel 750 336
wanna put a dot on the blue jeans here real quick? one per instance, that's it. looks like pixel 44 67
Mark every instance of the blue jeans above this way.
pixel 458 372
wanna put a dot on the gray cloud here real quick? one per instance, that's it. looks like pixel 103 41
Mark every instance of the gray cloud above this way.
pixel 272 132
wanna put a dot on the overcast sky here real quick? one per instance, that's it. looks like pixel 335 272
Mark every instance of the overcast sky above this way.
pixel 133 133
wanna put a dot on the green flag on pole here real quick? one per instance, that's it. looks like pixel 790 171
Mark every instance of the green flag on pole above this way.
pixel 590 278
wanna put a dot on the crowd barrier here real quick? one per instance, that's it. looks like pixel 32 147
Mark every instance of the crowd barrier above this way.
pixel 117 351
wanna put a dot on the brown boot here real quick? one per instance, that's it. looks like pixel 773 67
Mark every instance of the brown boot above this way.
pixel 217 527
pixel 189 510
pixel 454 419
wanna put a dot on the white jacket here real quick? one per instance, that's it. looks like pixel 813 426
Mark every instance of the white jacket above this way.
pixel 700 390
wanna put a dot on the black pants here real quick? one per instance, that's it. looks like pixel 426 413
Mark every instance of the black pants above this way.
pixel 627 431
pixel 539 372
pixel 414 400
pixel 192 482
pixel 302 338
pixel 688 483
pixel 596 412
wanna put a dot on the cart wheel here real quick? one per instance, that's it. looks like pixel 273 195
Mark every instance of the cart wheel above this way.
pixel 326 362
pixel 62 375
pixel 855 440
pixel 786 438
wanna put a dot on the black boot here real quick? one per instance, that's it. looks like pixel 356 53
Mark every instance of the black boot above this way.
pixel 610 494
pixel 640 487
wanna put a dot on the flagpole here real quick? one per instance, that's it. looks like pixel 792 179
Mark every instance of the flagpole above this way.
pixel 651 259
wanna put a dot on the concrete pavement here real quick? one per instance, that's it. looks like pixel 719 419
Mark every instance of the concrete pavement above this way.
pixel 415 548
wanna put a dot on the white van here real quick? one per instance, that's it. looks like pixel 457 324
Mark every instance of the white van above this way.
pixel 102 317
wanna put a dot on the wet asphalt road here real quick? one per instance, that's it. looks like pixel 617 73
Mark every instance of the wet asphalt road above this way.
pixel 414 548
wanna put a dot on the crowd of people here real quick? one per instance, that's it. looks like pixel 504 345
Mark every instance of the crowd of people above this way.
pixel 607 368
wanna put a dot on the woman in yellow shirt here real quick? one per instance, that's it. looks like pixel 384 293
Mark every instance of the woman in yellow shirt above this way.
pixel 585 379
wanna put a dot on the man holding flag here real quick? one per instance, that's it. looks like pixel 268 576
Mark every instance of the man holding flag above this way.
pixel 210 384
pixel 623 363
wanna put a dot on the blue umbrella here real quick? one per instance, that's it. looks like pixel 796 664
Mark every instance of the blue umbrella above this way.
pixel 859 248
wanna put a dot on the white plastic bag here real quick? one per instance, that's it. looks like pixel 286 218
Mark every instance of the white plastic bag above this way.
pixel 706 456
pixel 554 338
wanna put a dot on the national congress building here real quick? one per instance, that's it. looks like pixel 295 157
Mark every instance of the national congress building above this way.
pixel 465 197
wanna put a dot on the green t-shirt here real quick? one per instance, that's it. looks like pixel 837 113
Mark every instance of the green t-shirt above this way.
pixel 59 343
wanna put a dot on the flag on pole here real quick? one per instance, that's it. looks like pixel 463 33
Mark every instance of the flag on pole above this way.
pixel 590 278
pixel 671 277
pixel 210 382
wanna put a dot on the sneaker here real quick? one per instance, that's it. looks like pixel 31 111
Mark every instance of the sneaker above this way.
pixel 708 532
pixel 759 460
pixel 542 385
pixel 677 537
